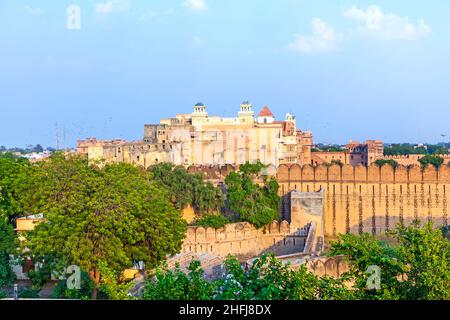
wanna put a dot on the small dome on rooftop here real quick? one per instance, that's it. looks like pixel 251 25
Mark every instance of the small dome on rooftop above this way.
pixel 199 104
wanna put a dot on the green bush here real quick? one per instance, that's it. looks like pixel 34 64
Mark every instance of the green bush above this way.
pixel 381 162
pixel 256 204
pixel 62 292
pixel 213 221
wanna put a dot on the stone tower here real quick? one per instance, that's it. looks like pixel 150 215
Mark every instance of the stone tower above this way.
pixel 246 113
pixel 306 207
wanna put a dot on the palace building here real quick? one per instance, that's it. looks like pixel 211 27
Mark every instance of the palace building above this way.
pixel 200 139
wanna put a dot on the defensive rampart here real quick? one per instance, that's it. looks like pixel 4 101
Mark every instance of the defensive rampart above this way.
pixel 363 199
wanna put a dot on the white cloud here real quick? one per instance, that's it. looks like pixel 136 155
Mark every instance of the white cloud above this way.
pixel 387 26
pixel 32 10
pixel 196 5
pixel 197 41
pixel 323 38
pixel 147 15
pixel 112 6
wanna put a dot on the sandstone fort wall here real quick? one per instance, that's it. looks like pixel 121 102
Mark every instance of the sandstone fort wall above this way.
pixel 364 199
pixel 244 240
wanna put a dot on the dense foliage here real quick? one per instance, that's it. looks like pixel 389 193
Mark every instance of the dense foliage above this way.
pixel 382 162
pixel 326 148
pixel 84 293
pixel 433 160
pixel 186 189
pixel 416 267
pixel 8 243
pixel 9 169
pixel 213 221
pixel 12 172
pixel 266 279
pixel 114 214
pixel 178 285
pixel 406 148
pixel 256 204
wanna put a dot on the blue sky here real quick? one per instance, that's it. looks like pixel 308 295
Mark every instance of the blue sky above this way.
pixel 347 69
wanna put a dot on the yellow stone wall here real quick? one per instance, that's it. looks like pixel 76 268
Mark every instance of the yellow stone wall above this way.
pixel 372 199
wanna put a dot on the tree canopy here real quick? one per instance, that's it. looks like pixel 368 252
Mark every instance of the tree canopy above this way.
pixel 417 267
pixel 186 189
pixel 382 162
pixel 256 204
pixel 114 214
pixel 433 160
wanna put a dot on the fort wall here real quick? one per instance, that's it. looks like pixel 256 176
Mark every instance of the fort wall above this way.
pixel 244 240
pixel 359 199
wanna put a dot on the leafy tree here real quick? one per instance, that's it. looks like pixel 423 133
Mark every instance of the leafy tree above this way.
pixel 256 204
pixel 38 148
pixel 114 214
pixel 364 251
pixel 177 285
pixel 213 221
pixel 112 285
pixel 337 162
pixel 425 253
pixel 421 256
pixel 12 172
pixel 61 291
pixel 8 244
pixel 382 162
pixel 403 149
pixel 267 279
pixel 441 150
pixel 186 189
pixel 436 161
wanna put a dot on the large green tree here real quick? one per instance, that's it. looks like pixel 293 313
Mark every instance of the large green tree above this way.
pixel 114 214
pixel 256 204
pixel 415 267
pixel 12 171
pixel 8 245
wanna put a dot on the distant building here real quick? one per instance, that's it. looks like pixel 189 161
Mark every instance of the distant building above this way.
pixel 83 146
pixel 354 153
pixel 200 139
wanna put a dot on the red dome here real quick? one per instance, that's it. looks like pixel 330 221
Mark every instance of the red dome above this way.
pixel 265 112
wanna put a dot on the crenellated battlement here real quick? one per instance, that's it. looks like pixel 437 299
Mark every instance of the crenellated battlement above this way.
pixel 336 173
pixel 359 199
pixel 245 240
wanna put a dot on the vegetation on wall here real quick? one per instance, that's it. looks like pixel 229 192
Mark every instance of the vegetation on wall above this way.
pixel 382 162
pixel 186 189
pixel 213 221
pixel 256 204
pixel 433 160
